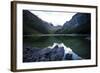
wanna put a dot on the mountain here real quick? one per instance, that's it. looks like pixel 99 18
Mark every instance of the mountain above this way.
pixel 32 24
pixel 79 24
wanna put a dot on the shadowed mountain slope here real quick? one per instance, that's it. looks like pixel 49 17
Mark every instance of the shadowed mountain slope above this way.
pixel 79 24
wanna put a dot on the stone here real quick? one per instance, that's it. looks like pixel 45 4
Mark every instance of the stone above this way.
pixel 68 56
pixel 57 53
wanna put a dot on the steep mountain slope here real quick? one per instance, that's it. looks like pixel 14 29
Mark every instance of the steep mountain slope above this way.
pixel 32 24
pixel 80 24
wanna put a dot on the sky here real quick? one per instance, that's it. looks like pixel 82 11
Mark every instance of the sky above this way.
pixel 56 18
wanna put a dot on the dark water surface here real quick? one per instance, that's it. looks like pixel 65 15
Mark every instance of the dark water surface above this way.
pixel 81 45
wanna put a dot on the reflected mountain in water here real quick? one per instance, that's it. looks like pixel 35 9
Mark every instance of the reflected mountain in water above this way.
pixel 68 53
pixel 56 52
pixel 42 41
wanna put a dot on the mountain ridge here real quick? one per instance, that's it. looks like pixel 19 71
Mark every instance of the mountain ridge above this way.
pixel 79 24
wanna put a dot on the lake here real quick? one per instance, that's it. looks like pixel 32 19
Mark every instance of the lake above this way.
pixel 81 45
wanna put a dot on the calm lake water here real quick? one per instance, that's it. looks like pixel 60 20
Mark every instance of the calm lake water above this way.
pixel 81 45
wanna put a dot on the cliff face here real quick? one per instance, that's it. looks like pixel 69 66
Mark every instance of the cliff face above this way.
pixel 33 24
pixel 79 24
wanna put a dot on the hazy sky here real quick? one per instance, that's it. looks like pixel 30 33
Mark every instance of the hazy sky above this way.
pixel 56 18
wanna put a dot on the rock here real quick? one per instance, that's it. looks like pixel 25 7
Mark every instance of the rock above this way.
pixel 57 53
pixel 44 54
pixel 79 24
pixel 68 56
pixel 44 51
pixel 28 54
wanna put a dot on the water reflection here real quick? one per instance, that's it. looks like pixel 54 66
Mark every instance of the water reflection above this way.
pixel 50 47
pixel 68 53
